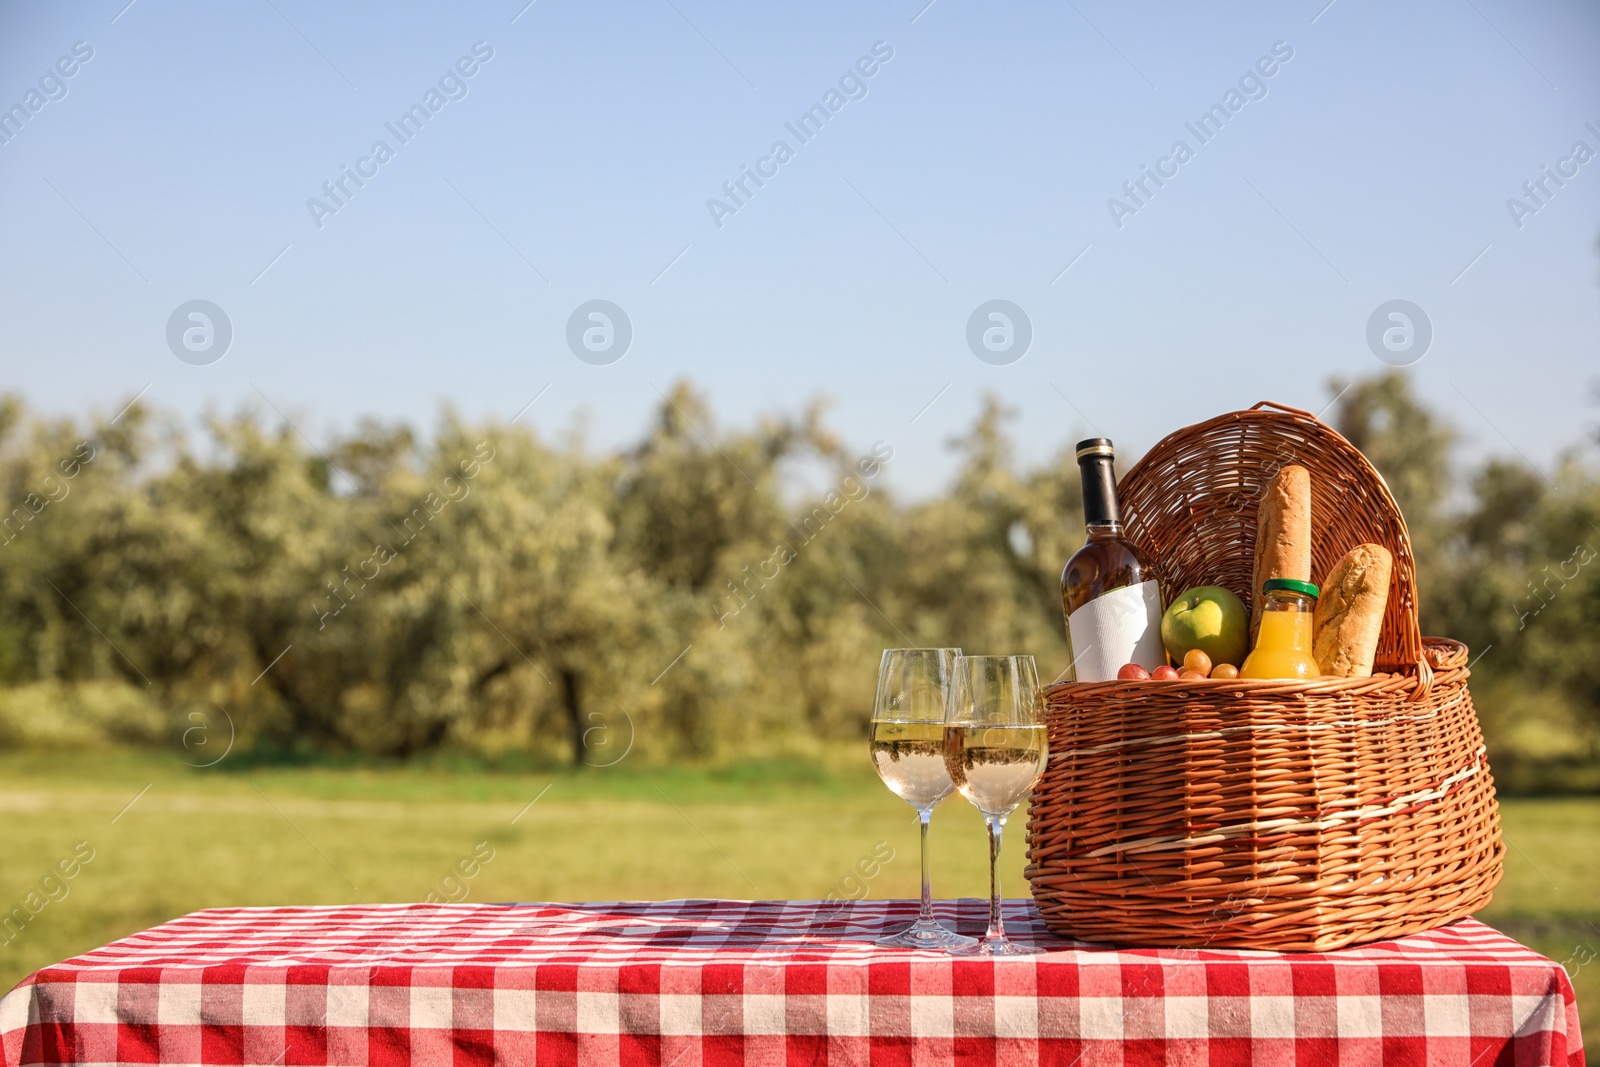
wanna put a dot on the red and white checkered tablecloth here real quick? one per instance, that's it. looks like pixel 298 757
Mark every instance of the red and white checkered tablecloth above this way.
pixel 684 983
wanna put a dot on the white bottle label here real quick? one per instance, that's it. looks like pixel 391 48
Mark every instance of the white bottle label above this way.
pixel 1115 629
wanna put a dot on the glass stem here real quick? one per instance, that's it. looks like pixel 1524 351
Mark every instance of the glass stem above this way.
pixel 997 926
pixel 927 879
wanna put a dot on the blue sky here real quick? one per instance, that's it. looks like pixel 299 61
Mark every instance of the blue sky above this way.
pixel 577 163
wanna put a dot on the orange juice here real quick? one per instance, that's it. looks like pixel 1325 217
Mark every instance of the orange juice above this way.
pixel 1283 641
pixel 1283 647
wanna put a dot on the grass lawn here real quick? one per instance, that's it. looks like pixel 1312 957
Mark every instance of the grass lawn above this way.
pixel 284 835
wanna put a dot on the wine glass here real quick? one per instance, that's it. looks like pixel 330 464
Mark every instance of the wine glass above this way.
pixel 907 739
pixel 995 750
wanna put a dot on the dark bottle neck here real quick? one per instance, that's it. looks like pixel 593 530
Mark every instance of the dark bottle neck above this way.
pixel 1099 493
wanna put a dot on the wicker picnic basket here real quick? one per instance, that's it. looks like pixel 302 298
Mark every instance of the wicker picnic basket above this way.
pixel 1255 814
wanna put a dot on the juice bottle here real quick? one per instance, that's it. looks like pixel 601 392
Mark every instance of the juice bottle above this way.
pixel 1283 643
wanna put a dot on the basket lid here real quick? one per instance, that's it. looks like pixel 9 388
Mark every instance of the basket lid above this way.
pixel 1191 502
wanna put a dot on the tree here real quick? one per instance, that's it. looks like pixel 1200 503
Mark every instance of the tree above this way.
pixel 393 593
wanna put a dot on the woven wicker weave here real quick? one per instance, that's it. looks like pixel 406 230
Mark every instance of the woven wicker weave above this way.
pixel 1273 815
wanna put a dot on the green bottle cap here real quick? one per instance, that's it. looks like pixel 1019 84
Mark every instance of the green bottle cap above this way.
pixel 1293 585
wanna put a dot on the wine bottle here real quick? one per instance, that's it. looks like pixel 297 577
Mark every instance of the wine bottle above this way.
pixel 1109 591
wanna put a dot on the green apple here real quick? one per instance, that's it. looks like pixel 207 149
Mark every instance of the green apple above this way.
pixel 1210 618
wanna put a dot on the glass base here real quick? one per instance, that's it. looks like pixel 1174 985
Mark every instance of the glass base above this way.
pixel 995 947
pixel 929 935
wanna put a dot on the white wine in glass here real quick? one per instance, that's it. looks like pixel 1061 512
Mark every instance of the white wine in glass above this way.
pixel 909 757
pixel 908 751
pixel 995 750
pixel 994 766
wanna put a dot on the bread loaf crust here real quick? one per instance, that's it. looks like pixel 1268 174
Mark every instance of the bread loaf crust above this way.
pixel 1283 534
pixel 1349 615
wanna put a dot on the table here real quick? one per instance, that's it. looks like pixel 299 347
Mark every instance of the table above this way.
pixel 683 983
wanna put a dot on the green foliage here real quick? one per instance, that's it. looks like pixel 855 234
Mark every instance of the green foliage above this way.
pixel 485 590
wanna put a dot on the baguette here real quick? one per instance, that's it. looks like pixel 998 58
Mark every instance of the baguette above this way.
pixel 1349 614
pixel 1283 534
